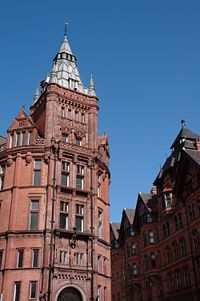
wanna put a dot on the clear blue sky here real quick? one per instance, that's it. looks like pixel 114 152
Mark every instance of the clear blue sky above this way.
pixel 145 59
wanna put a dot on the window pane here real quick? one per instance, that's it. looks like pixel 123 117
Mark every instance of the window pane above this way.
pixel 1 257
pixel 63 221
pixel 79 223
pixel 79 182
pixel 35 258
pixel 64 137
pixel 17 291
pixel 69 114
pixel 76 116
pixel 37 177
pixel 63 206
pixel 20 258
pixel 34 205
pixel 65 179
pixel 23 138
pixel 30 138
pixel 18 139
pixel 78 141
pixel 37 164
pixel 33 290
pixel 34 221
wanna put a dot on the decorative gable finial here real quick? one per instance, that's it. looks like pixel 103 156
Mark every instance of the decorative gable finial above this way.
pixel 183 123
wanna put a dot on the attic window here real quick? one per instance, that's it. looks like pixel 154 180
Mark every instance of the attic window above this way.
pixel 167 200
pixel 149 218
pixel 132 232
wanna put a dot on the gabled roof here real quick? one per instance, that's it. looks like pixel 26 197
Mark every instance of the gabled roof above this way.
pixel 22 116
pixel 185 134
pixel 149 200
pixel 115 227
pixel 185 140
pixel 130 213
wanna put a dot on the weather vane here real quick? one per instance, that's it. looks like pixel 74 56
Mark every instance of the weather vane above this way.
pixel 66 24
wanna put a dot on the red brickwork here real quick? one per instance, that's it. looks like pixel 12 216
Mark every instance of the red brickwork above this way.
pixel 42 173
pixel 156 250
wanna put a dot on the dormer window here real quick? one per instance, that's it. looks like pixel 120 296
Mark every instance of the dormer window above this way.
pixel 167 200
pixel 148 218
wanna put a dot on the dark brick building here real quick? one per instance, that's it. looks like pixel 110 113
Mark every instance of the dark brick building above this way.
pixel 156 247
pixel 54 194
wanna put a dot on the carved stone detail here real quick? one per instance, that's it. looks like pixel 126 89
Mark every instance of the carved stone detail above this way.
pixel 9 161
pixel 28 158
pixel 76 148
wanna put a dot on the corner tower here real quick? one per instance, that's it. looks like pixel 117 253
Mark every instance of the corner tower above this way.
pixel 54 194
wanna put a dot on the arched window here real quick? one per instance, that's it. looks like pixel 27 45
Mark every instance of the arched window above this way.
pixel 135 270
pixel 175 249
pixel 153 260
pixel 178 279
pixel 151 237
pixel 195 239
pixel 70 294
pixel 186 274
pixel 168 254
pixel 183 246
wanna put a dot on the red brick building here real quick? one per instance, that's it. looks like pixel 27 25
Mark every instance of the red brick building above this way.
pixel 54 194
pixel 156 247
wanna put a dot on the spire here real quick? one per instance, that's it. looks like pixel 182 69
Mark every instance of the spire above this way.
pixel 64 71
pixel 65 44
pixel 36 96
pixel 91 88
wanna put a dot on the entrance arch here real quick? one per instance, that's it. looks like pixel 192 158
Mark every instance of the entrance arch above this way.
pixel 70 294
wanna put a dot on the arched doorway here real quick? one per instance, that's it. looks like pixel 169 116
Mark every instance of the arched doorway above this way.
pixel 70 294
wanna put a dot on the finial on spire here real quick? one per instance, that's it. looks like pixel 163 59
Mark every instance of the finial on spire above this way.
pixel 91 88
pixel 91 83
pixel 37 95
pixel 183 123
pixel 66 24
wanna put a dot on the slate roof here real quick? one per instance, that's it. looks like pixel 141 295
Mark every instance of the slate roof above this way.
pixel 194 155
pixel 115 228
pixel 187 134
pixel 186 139
pixel 149 200
pixel 130 214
